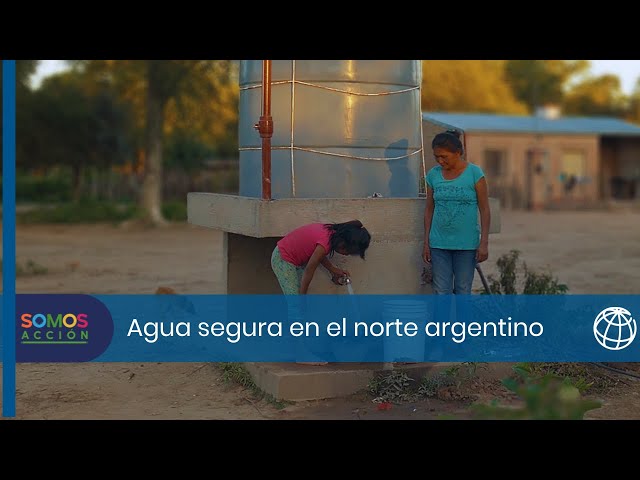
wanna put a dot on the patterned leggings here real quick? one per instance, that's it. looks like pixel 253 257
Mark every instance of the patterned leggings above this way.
pixel 289 276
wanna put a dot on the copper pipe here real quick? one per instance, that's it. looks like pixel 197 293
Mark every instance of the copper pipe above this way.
pixel 265 127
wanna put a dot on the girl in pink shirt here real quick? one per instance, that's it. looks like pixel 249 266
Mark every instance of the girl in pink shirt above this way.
pixel 298 254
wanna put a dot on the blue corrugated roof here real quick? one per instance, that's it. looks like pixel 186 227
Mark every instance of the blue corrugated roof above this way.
pixel 482 122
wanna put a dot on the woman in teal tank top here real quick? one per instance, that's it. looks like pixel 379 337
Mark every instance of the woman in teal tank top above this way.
pixel 453 241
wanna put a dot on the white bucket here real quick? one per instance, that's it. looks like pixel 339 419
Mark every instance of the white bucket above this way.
pixel 405 349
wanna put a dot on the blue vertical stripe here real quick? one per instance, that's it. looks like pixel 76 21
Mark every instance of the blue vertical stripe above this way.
pixel 9 237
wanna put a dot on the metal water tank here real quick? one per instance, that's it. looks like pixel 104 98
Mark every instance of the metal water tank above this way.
pixel 342 128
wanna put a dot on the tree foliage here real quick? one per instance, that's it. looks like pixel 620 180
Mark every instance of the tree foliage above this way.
pixel 208 109
pixel 156 114
pixel 24 70
pixel 601 95
pixel 542 82
pixel 64 124
pixel 633 113
pixel 172 96
pixel 467 86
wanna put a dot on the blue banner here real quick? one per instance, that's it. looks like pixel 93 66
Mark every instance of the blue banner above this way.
pixel 333 328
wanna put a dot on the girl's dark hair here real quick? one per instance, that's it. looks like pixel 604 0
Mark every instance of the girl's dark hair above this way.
pixel 449 140
pixel 351 235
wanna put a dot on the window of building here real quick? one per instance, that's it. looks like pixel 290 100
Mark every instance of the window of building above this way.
pixel 573 169
pixel 573 163
pixel 495 162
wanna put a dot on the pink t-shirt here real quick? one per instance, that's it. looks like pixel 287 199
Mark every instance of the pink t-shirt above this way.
pixel 298 245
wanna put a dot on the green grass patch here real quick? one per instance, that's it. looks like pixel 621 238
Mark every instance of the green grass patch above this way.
pixel 237 373
pixel 28 268
pixel 53 188
pixel 93 211
pixel 81 212
pixel 175 211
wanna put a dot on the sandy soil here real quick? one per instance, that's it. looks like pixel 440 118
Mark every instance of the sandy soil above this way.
pixel 592 252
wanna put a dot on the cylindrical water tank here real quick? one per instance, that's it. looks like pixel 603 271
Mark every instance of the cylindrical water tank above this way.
pixel 342 128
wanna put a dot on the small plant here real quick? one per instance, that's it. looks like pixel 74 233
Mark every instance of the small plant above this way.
pixel 78 212
pixel 507 266
pixel 238 374
pixel 95 211
pixel 392 387
pixel 531 282
pixel 585 377
pixel 542 284
pixel 30 268
pixel 397 387
pixel 431 384
pixel 452 376
pixel 546 397
pixel 472 367
pixel 175 211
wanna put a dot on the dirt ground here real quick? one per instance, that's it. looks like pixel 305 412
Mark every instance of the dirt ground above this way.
pixel 591 252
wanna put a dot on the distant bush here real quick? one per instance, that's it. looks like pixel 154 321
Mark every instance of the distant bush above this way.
pixel 27 269
pixel 529 281
pixel 36 189
pixel 93 211
pixel 81 212
pixel 546 397
pixel 225 181
pixel 175 211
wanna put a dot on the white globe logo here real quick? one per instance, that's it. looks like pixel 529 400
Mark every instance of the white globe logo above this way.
pixel 614 328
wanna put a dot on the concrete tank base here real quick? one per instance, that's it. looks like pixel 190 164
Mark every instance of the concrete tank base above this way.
pixel 252 226
pixel 297 383
pixel 393 265
pixel 292 382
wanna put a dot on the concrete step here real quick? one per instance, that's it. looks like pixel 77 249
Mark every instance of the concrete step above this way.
pixel 293 382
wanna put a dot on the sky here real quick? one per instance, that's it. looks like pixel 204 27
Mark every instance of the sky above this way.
pixel 46 68
pixel 627 70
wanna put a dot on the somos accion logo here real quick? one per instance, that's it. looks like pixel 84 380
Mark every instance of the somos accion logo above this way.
pixel 54 328
pixel 61 328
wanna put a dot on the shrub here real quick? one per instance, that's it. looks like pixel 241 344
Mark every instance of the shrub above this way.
pixel 81 212
pixel 175 211
pixel 530 282
pixel 34 189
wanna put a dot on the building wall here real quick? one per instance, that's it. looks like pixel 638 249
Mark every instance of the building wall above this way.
pixel 629 155
pixel 531 178
pixel 608 167
pixel 621 168
pixel 522 184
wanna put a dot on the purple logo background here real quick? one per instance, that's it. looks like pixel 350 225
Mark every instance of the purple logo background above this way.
pixel 99 330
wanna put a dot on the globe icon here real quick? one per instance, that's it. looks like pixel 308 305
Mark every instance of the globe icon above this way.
pixel 614 328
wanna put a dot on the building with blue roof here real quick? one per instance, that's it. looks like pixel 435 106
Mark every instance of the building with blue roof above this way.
pixel 547 160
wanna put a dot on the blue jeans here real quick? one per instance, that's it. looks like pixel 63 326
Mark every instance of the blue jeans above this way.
pixel 453 271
